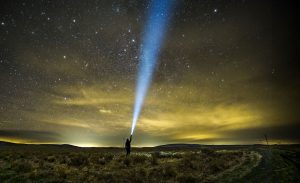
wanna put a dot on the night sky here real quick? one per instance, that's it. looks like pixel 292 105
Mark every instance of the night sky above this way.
pixel 227 73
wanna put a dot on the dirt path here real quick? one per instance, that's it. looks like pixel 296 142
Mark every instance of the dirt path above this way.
pixel 273 168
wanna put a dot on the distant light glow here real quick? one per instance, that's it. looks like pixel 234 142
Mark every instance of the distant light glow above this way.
pixel 158 16
pixel 86 145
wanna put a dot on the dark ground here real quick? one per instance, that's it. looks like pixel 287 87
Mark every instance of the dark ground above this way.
pixel 171 163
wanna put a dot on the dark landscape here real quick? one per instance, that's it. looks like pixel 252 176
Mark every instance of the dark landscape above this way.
pixel 167 163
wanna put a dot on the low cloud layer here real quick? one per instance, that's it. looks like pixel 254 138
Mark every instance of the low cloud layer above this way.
pixel 223 77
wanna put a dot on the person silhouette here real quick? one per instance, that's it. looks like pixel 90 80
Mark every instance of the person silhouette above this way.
pixel 128 145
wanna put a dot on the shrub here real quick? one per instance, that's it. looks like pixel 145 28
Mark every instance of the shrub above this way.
pixel 217 166
pixel 208 151
pixel 78 160
pixel 154 158
pixel 138 159
pixel 21 166
pixel 139 175
pixel 169 171
pixel 61 171
pixel 194 161
pixel 156 174
pixel 98 159
pixel 107 177
pixel 108 157
pixel 101 161
pixel 184 178
pixel 50 159
pixel 127 161
pixel 177 155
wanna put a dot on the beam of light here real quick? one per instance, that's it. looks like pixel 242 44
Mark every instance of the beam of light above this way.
pixel 154 31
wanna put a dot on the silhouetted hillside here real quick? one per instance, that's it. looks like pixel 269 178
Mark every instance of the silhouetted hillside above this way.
pixel 179 146
pixel 4 144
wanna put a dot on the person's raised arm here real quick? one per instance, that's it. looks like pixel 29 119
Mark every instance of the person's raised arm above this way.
pixel 130 138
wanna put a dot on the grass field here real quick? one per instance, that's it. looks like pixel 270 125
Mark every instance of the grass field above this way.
pixel 42 163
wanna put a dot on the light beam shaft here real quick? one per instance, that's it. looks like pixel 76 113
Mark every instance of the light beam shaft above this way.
pixel 154 33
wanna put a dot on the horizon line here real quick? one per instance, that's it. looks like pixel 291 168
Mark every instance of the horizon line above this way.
pixel 87 146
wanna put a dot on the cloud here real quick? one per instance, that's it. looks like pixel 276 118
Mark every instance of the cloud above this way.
pixel 287 133
pixel 30 136
pixel 217 81
pixel 105 111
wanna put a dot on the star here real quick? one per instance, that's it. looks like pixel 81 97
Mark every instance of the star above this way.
pixel 85 55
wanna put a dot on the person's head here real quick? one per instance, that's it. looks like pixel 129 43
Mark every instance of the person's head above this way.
pixel 127 139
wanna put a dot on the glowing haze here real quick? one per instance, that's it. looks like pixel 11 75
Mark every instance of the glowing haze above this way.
pixel 228 72
pixel 154 32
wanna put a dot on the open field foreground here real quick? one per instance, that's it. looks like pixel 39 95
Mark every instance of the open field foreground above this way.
pixel 52 163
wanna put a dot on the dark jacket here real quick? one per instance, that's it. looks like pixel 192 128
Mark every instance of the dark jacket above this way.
pixel 128 143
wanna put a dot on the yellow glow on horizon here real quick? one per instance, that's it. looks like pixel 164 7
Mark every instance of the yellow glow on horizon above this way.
pixel 197 136
pixel 86 145
pixel 25 141
pixel 106 111
pixel 94 113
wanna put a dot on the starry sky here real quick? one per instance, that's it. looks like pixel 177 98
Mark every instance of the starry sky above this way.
pixel 226 74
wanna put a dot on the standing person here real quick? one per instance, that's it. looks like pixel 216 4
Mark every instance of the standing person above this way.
pixel 128 145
